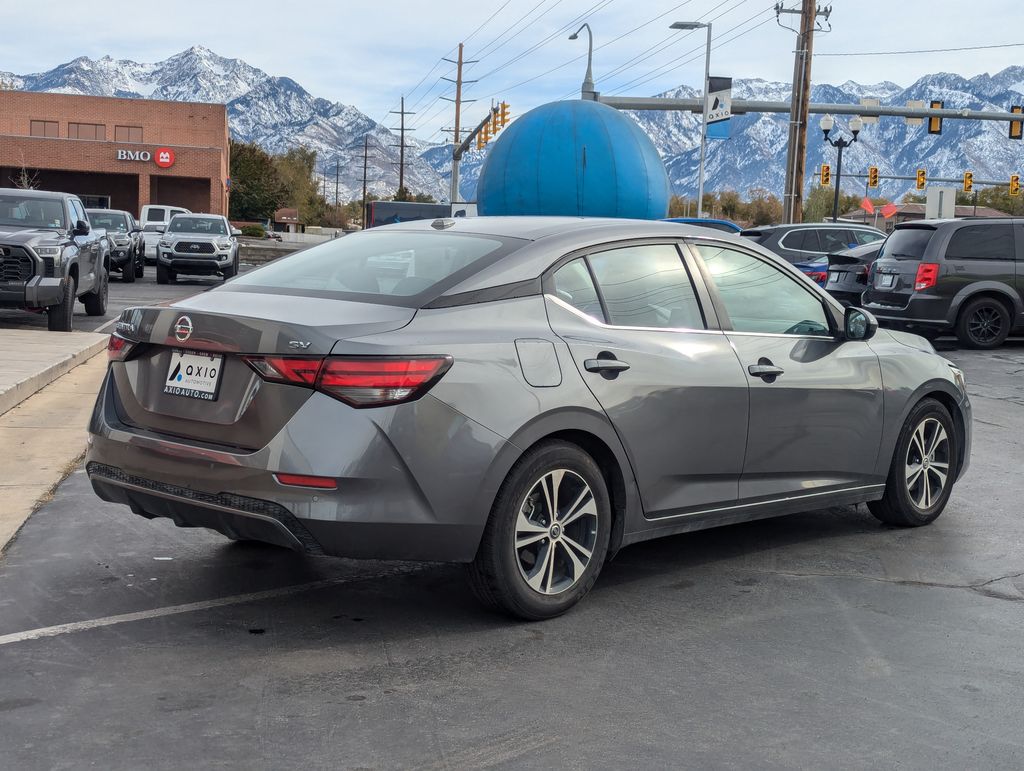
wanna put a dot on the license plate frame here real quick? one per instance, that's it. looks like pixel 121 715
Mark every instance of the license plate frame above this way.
pixel 194 374
pixel 885 280
pixel 833 275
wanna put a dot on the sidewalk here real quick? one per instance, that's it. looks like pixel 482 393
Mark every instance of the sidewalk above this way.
pixel 34 358
pixel 45 435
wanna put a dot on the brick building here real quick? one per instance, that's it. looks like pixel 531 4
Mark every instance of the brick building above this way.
pixel 117 153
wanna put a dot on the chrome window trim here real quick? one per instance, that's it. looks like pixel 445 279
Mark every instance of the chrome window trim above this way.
pixel 783 499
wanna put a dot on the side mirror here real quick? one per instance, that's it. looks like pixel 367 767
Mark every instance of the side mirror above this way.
pixel 236 232
pixel 161 228
pixel 859 324
pixel 81 228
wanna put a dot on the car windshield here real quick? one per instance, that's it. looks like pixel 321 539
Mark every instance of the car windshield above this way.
pixel 109 221
pixel 28 212
pixel 907 243
pixel 205 226
pixel 378 263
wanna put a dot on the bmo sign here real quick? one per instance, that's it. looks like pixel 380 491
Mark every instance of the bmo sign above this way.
pixel 162 156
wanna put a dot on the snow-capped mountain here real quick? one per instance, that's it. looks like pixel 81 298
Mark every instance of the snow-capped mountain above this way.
pixel 278 113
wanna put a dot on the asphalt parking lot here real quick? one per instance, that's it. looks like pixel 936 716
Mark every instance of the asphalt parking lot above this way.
pixel 819 640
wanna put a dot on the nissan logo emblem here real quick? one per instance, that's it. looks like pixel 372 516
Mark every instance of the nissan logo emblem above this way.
pixel 183 329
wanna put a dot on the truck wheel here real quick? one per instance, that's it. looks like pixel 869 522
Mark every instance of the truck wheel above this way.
pixel 140 265
pixel 96 302
pixel 983 324
pixel 231 270
pixel 164 275
pixel 128 272
pixel 59 316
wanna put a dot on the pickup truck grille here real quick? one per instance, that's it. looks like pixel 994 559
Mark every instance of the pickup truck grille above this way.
pixel 15 264
pixel 194 247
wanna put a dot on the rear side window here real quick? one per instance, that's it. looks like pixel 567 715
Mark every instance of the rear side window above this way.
pixel 155 215
pixel 907 243
pixel 574 285
pixel 383 266
pixel 647 286
pixel 833 240
pixel 867 236
pixel 981 242
pixel 804 240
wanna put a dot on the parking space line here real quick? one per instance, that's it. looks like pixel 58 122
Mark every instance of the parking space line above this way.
pixel 189 607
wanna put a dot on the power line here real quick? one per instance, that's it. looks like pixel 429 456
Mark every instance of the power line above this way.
pixel 924 50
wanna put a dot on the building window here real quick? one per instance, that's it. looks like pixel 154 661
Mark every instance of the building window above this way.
pixel 43 128
pixel 87 131
pixel 127 133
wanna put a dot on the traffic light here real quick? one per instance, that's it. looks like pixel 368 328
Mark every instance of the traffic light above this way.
pixel 1015 184
pixel 1016 126
pixel 826 175
pixel 503 116
pixel 935 124
pixel 495 125
pixel 968 181
pixel 872 176
pixel 922 179
pixel 484 136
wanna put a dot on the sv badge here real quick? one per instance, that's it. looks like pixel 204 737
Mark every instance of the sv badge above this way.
pixel 299 344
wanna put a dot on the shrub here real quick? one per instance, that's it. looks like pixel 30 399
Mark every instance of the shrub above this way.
pixel 253 231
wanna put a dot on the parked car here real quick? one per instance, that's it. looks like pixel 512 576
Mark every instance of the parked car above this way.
pixel 965 276
pixel 809 240
pixel 847 276
pixel 154 219
pixel 198 245
pixel 815 269
pixel 530 396
pixel 272 234
pixel 49 255
pixel 725 226
pixel 125 241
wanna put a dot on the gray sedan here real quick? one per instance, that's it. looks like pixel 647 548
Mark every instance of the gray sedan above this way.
pixel 525 395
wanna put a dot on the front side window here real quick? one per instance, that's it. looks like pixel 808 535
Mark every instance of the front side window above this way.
pixel 574 285
pixel 647 286
pixel 78 211
pixel 981 242
pixel 206 226
pixel 760 297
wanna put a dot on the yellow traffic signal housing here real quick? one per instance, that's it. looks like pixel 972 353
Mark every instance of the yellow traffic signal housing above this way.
pixel 935 124
pixel 922 179
pixel 872 176
pixel 1015 184
pixel 968 181
pixel 1017 126
pixel 826 175
pixel 495 125
pixel 484 136
pixel 503 114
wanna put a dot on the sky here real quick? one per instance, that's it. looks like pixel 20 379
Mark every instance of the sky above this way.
pixel 368 54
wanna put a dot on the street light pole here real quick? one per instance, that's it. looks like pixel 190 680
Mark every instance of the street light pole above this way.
pixel 826 124
pixel 587 91
pixel 690 25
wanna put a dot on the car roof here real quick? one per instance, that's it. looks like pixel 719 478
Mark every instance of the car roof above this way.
pixel 107 211
pixel 534 228
pixel 34 193
pixel 956 221
pixel 803 225
pixel 197 214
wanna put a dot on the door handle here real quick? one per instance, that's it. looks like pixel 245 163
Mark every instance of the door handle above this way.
pixel 765 370
pixel 605 365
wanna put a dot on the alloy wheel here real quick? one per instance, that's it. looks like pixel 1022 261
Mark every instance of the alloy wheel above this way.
pixel 927 465
pixel 985 324
pixel 556 532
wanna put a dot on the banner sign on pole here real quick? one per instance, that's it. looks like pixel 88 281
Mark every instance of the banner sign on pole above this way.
pixel 719 107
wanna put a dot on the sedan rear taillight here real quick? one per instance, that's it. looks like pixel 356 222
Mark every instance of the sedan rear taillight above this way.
pixel 359 381
pixel 818 276
pixel 927 275
pixel 118 348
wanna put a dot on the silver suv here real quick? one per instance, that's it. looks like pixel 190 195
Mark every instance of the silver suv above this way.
pixel 199 245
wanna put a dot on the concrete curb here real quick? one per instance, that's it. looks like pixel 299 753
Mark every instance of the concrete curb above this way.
pixel 70 350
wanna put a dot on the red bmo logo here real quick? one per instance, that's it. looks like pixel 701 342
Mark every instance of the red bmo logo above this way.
pixel 164 157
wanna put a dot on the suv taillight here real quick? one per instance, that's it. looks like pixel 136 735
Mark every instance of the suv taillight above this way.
pixel 359 381
pixel 927 274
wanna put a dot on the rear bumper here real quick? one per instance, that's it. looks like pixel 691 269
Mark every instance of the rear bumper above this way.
pixel 399 496
pixel 921 313
pixel 37 292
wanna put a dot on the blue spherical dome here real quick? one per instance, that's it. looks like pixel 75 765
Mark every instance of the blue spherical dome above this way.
pixel 575 158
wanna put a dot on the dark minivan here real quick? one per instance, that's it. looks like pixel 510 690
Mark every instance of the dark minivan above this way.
pixel 965 276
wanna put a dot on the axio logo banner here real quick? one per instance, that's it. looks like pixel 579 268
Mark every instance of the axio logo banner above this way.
pixel 165 157
pixel 719 106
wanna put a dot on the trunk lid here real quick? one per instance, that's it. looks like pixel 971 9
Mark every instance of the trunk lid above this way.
pixel 892 275
pixel 246 411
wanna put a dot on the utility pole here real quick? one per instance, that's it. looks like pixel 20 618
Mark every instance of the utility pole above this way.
pixel 401 145
pixel 454 194
pixel 336 175
pixel 366 157
pixel 796 150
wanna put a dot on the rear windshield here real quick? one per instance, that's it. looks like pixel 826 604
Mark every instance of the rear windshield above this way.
pixel 906 243
pixel 156 215
pixel 390 267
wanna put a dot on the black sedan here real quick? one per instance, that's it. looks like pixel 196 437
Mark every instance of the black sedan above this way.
pixel 848 272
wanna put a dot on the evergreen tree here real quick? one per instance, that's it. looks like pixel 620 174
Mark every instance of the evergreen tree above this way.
pixel 256 188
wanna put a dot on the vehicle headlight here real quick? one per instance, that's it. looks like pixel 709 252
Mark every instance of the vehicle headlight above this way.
pixel 48 251
pixel 122 240
pixel 165 244
pixel 224 244
pixel 958 378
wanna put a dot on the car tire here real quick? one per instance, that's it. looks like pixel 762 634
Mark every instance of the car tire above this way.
pixel 231 270
pixel 529 564
pixel 140 267
pixel 164 275
pixel 923 468
pixel 96 302
pixel 128 272
pixel 983 324
pixel 59 317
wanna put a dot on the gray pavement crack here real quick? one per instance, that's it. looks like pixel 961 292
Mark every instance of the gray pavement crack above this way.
pixel 980 588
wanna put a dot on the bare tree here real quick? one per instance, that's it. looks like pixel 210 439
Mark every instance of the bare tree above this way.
pixel 25 179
